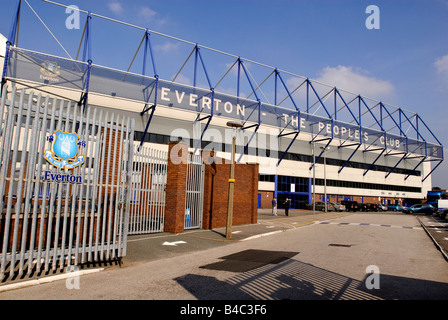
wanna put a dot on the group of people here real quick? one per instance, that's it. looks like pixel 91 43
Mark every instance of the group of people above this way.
pixel 286 205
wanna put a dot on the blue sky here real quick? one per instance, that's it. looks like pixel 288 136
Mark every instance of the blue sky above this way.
pixel 404 63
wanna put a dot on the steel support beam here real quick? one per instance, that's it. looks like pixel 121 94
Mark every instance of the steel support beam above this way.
pixel 349 158
pixel 373 163
pixel 433 169
pixel 296 134
pixel 322 152
pixel 198 58
pixel 11 41
pixel 396 165
pixel 87 57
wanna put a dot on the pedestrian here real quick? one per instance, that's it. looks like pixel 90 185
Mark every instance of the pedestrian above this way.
pixel 274 206
pixel 286 204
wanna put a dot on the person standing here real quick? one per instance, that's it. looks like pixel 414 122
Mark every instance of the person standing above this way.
pixel 274 206
pixel 286 204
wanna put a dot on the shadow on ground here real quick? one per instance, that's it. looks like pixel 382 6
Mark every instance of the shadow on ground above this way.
pixel 267 275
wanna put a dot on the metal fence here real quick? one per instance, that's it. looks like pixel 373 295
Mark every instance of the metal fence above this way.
pixel 148 191
pixel 194 192
pixel 64 180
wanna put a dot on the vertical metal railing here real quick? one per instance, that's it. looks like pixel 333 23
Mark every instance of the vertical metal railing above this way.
pixel 147 214
pixel 50 217
pixel 194 192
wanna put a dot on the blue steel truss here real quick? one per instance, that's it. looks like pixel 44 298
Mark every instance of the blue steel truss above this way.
pixel 325 128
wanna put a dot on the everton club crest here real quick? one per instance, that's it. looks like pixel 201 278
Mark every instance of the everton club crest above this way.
pixel 50 69
pixel 64 153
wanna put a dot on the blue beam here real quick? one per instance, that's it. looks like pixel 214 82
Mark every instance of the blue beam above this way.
pixel 287 149
pixel 373 163
pixel 198 57
pixel 416 130
pixel 418 118
pixel 346 105
pixel 148 47
pixel 349 158
pixel 153 109
pixel 248 142
pixel 87 57
pixel 413 170
pixel 209 119
pixel 257 125
pixel 322 152
pixel 440 162
pixel 318 97
pixel 370 111
pixel 277 74
pixel 145 55
pixel 296 133
pixel 11 42
pixel 392 118
pixel 199 144
pixel 393 169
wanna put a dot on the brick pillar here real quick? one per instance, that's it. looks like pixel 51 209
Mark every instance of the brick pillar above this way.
pixel 176 185
pixel 111 150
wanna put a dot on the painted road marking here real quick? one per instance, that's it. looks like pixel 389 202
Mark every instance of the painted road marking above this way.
pixel 174 244
pixel 368 224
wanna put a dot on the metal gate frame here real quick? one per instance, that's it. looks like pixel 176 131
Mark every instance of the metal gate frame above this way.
pixel 54 223
pixel 194 197
pixel 148 191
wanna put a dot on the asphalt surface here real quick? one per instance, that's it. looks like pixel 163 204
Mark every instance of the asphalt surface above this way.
pixel 437 229
pixel 143 248
pixel 160 246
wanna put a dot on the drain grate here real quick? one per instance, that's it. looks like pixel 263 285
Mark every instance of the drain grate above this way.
pixel 339 245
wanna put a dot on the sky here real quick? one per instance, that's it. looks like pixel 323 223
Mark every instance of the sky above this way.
pixel 403 61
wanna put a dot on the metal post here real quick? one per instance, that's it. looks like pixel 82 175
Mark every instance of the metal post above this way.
pixel 13 38
pixel 325 180
pixel 325 176
pixel 233 125
pixel 314 179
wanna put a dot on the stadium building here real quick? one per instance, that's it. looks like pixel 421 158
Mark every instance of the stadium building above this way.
pixel 87 150
pixel 310 139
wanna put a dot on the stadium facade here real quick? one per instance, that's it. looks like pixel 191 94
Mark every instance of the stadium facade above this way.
pixel 302 152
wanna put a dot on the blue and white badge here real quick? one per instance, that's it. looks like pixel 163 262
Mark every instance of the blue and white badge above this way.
pixel 64 153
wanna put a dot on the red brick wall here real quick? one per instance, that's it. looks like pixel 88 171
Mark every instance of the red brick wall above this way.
pixel 266 199
pixel 216 192
pixel 216 195
pixel 176 185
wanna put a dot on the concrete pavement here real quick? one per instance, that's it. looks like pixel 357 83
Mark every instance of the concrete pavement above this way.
pixel 142 248
pixel 152 247
pixel 162 246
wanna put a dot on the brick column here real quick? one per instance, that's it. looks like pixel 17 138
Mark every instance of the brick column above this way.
pixel 176 184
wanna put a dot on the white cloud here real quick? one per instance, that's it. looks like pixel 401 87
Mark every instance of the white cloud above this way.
pixel 441 65
pixel 147 13
pixel 167 47
pixel 355 81
pixel 184 80
pixel 116 7
pixel 147 16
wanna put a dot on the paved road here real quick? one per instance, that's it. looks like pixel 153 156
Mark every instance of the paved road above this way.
pixel 306 256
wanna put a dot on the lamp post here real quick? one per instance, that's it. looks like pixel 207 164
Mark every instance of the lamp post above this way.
pixel 233 125
pixel 325 176
pixel 314 179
